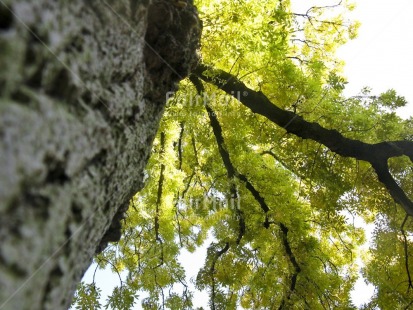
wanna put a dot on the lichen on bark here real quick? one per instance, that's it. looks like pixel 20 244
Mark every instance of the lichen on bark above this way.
pixel 81 96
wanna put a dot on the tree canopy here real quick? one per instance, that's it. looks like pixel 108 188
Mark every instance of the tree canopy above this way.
pixel 260 152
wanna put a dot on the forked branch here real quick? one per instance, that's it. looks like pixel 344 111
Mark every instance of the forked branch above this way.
pixel 376 154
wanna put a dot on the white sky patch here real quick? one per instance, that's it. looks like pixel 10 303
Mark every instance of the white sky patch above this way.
pixel 193 262
pixel 381 56
pixel 362 291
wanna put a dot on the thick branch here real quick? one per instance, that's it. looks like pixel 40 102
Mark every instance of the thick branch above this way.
pixel 383 173
pixel 231 170
pixel 295 124
pixel 376 154
pixel 216 127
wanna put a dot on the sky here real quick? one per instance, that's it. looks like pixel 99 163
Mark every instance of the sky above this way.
pixel 381 58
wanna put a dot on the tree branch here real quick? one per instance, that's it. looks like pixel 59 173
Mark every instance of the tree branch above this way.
pixel 376 154
pixel 181 134
pixel 160 189
pixel 406 254
pixel 293 262
pixel 218 254
pixel 232 172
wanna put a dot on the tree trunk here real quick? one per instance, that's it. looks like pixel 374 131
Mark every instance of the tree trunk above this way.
pixel 82 89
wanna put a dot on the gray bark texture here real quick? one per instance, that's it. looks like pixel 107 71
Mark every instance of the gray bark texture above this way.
pixel 82 90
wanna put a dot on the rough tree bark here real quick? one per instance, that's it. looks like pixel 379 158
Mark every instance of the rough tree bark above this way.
pixel 82 90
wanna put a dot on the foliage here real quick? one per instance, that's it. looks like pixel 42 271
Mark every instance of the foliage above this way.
pixel 278 208
pixel 87 297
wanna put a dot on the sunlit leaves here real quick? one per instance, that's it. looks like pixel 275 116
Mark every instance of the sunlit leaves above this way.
pixel 87 297
pixel 121 299
pixel 390 265
pixel 391 100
